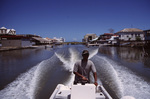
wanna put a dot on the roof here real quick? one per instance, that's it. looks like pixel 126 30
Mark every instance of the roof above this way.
pixel 48 38
pixel 40 39
pixel 13 36
pixel 8 30
pixel 13 30
pixel 108 34
pixel 147 30
pixel 2 28
pixel 131 30
pixel 90 34
pixel 87 35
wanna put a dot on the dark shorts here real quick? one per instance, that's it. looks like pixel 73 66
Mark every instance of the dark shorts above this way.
pixel 83 82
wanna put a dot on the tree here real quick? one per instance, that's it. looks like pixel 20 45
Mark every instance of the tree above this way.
pixel 111 30
pixel 138 38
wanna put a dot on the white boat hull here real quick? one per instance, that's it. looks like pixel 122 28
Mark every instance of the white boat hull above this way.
pixel 87 91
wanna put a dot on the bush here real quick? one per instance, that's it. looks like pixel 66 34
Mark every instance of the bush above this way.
pixel 138 38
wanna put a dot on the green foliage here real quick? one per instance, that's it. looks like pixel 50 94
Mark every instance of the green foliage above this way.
pixel 138 38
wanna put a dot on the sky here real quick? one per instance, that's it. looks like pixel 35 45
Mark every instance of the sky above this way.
pixel 73 19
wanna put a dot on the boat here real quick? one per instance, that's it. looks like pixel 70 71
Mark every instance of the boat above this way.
pixel 79 91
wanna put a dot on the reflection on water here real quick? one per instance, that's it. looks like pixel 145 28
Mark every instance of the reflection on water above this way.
pixel 132 55
pixel 133 58
pixel 146 61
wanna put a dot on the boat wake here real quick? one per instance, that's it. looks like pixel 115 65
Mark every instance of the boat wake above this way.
pixel 121 81
pixel 74 56
pixel 21 88
pixel 26 86
pixel 68 64
pixel 108 75
pixel 41 80
pixel 30 84
pixel 133 85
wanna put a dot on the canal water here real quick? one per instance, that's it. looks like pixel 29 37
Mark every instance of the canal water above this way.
pixel 34 73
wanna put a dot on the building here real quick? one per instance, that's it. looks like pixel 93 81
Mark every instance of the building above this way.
pixel 43 41
pixel 147 35
pixel 113 40
pixel 131 34
pixel 106 36
pixel 61 40
pixel 89 37
pixel 8 38
pixel 147 38
pixel 15 41
pixel 5 31
pixel 40 41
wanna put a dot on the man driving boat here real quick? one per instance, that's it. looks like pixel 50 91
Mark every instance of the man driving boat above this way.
pixel 82 69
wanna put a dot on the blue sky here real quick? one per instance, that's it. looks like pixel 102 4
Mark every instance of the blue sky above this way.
pixel 72 19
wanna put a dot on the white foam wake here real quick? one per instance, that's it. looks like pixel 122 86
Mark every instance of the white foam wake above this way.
pixel 26 85
pixel 21 88
pixel 108 74
pixel 74 56
pixel 68 64
pixel 133 85
pixel 129 83
pixel 93 53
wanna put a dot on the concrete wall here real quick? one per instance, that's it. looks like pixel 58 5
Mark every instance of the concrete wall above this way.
pixel 15 43
pixel 26 43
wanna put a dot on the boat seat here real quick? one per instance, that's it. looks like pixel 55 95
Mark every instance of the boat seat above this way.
pixel 63 92
pixel 86 91
pixel 100 96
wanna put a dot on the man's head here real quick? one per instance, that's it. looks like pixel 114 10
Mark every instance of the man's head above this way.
pixel 85 54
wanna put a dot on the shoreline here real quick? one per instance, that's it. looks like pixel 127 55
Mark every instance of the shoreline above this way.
pixel 19 48
pixel 132 45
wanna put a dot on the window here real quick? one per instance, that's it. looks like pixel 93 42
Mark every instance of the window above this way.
pixel 3 31
pixel 148 33
pixel 131 35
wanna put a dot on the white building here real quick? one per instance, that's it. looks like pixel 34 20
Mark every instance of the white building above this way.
pixel 89 37
pixel 113 40
pixel 59 40
pixel 131 34
pixel 4 30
